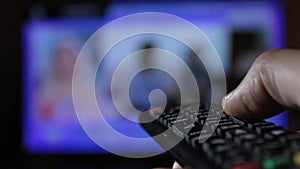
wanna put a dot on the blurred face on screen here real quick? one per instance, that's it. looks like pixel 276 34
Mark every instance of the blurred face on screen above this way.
pixel 64 60
pixel 55 94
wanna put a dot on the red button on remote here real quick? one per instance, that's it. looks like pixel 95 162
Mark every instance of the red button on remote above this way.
pixel 247 165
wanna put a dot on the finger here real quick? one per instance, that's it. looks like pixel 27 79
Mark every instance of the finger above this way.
pixel 271 84
pixel 176 166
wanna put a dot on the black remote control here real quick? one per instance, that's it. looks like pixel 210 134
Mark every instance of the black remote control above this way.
pixel 210 139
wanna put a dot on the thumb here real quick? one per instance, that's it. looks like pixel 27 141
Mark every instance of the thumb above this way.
pixel 270 85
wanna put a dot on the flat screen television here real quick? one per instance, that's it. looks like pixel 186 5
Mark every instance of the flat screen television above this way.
pixel 240 31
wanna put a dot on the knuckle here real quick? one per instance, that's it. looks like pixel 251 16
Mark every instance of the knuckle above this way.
pixel 268 55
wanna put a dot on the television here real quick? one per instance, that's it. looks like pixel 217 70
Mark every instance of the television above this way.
pixel 239 31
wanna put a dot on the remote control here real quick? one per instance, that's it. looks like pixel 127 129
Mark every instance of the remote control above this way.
pixel 202 136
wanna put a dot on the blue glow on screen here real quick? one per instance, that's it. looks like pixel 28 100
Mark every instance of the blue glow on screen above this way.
pixel 45 130
pixel 50 123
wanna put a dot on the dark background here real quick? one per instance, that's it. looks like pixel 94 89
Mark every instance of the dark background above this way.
pixel 13 14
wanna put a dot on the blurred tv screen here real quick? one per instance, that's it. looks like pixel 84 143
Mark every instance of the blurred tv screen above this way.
pixel 240 31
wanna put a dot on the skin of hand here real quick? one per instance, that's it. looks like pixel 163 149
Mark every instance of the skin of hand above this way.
pixel 271 85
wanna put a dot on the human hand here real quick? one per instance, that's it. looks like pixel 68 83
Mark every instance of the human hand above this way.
pixel 271 85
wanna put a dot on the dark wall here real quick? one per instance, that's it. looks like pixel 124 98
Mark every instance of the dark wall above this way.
pixel 293 41
pixel 292 23
pixel 12 14
pixel 10 119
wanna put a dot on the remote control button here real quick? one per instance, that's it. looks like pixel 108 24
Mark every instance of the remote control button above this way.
pixel 245 137
pixel 212 124
pixel 194 111
pixel 278 133
pixel 234 152
pixel 247 165
pixel 211 145
pixel 295 145
pixel 212 142
pixel 192 115
pixel 277 162
pixel 242 123
pixel 221 130
pixel 249 145
pixel 258 124
pixel 195 142
pixel 268 136
pixel 178 132
pixel 287 138
pixel 182 127
pixel 293 139
pixel 170 121
pixel 223 148
pixel 192 135
pixel 193 107
pixel 208 119
pixel 230 161
pixel 202 116
pixel 218 113
pixel 226 123
pixel 223 121
pixel 179 120
pixel 203 135
pixel 296 158
pixel 269 149
pixel 174 110
pixel 230 134
pixel 267 128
